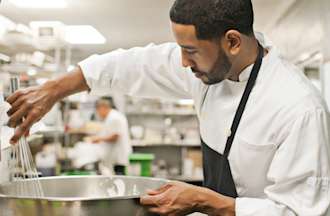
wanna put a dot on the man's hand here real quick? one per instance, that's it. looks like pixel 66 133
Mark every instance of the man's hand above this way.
pixel 174 198
pixel 31 104
pixel 112 139
pixel 34 102
pixel 178 198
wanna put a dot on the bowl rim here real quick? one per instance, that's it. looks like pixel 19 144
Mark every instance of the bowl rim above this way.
pixel 81 199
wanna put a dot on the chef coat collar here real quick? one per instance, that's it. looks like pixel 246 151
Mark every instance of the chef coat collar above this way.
pixel 266 43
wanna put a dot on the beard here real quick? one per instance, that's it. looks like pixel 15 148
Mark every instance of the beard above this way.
pixel 219 72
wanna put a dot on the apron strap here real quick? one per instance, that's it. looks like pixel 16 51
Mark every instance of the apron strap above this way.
pixel 244 99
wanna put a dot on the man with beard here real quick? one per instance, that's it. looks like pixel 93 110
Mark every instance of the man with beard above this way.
pixel 264 128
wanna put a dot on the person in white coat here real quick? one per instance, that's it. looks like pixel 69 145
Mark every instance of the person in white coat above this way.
pixel 264 127
pixel 113 137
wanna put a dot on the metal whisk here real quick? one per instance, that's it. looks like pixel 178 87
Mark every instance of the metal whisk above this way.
pixel 23 170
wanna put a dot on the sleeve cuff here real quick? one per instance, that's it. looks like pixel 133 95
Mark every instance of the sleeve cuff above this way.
pixel 97 77
pixel 252 207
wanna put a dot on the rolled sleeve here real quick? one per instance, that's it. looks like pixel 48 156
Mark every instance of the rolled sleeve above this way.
pixel 93 69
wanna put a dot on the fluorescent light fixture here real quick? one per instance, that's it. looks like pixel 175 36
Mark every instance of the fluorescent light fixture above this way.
pixel 47 31
pixel 40 3
pixel 83 34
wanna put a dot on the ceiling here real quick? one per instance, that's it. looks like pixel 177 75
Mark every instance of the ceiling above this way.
pixel 293 25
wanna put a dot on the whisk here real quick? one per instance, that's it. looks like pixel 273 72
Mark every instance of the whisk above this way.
pixel 22 168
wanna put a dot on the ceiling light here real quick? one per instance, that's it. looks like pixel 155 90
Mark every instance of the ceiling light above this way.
pixel 40 3
pixel 83 34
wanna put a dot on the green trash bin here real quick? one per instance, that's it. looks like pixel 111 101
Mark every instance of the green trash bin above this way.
pixel 144 161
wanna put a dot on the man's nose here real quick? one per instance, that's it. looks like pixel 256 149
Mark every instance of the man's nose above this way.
pixel 186 62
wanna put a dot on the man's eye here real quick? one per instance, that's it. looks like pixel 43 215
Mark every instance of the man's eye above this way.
pixel 191 52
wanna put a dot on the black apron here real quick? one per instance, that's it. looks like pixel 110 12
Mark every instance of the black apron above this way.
pixel 216 167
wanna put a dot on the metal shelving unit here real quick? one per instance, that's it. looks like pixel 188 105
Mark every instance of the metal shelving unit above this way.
pixel 176 113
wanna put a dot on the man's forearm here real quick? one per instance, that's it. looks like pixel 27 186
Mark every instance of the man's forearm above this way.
pixel 112 138
pixel 69 84
pixel 215 204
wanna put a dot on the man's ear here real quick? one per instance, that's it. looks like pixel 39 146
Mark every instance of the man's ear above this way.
pixel 233 42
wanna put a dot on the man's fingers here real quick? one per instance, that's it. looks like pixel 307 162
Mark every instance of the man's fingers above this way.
pixel 155 210
pixel 12 98
pixel 148 200
pixel 153 192
pixel 15 119
pixel 160 211
pixel 160 190
pixel 152 200
pixel 27 133
pixel 15 106
pixel 22 129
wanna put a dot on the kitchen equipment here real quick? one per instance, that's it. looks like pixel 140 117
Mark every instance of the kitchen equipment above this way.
pixel 23 169
pixel 4 165
pixel 23 166
pixel 137 132
pixel 80 196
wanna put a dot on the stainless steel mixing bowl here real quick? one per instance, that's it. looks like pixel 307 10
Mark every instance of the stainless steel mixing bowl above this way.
pixel 79 196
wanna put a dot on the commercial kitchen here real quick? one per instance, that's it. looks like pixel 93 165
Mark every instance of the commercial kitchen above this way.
pixel 167 107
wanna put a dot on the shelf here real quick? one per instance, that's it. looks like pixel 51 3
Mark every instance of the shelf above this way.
pixel 50 130
pixel 166 144
pixel 177 113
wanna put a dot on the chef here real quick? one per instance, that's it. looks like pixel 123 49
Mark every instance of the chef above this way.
pixel 264 128
pixel 113 137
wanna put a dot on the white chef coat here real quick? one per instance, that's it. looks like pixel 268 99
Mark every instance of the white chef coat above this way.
pixel 280 158
pixel 116 153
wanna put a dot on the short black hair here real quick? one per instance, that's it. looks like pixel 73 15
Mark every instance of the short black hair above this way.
pixel 108 100
pixel 213 18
